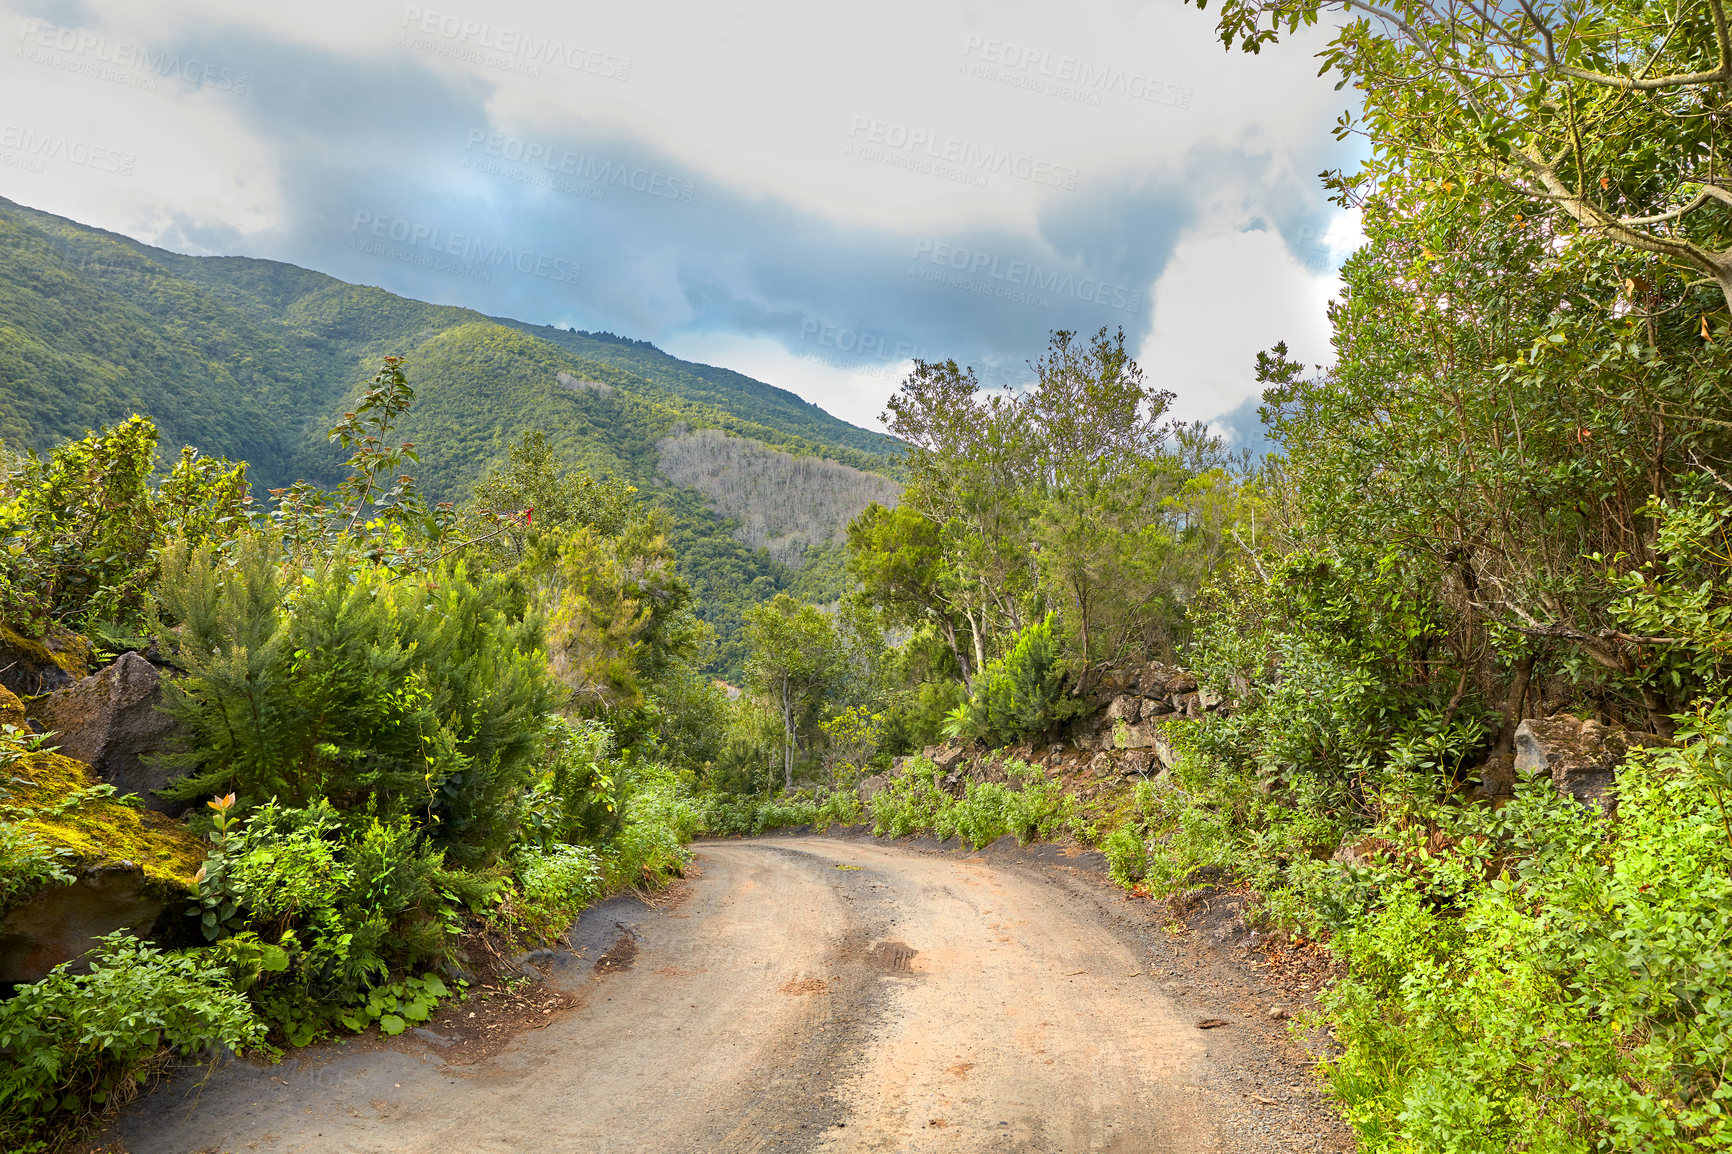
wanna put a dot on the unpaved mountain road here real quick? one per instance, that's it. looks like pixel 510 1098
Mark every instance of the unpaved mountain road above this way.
pixel 807 994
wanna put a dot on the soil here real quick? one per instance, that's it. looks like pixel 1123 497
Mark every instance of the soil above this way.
pixel 824 992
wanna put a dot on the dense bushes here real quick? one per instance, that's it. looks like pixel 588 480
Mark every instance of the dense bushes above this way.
pixel 1029 806
pixel 399 777
pixel 417 694
pixel 1574 995
pixel 74 1040
pixel 725 815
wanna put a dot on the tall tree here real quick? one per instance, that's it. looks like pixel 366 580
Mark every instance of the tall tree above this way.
pixel 796 655
pixel 1604 119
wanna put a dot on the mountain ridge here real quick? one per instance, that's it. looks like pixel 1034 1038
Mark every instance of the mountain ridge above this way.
pixel 256 359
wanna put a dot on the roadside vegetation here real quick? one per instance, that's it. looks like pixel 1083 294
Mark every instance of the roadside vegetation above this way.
pixel 1509 498
pixel 414 739
pixel 412 727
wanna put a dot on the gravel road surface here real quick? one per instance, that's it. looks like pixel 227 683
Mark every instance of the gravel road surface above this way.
pixel 809 994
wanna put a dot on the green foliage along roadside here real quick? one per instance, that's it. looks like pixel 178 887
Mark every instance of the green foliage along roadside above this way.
pixel 425 729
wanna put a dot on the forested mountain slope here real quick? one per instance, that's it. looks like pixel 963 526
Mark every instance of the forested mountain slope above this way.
pixel 255 360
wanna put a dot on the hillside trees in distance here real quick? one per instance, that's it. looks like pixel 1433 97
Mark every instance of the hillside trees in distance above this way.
pixel 782 503
pixel 254 360
pixel 1075 495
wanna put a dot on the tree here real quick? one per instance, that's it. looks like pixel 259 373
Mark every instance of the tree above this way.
pixel 796 655
pixel 897 557
pixel 1077 494
pixel 536 491
pixel 1602 120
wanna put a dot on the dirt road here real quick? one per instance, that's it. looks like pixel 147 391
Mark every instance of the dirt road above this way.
pixel 807 994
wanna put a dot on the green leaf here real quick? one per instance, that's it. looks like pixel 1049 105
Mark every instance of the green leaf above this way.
pixel 392 1024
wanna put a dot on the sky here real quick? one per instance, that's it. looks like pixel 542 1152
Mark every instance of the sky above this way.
pixel 808 195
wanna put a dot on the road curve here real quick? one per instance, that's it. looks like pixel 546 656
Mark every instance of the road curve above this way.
pixel 807 995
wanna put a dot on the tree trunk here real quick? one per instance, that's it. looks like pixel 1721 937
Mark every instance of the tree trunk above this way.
pixel 979 642
pixel 1497 776
pixel 956 651
pixel 787 739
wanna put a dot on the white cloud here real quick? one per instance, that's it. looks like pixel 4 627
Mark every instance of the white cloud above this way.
pixel 1220 301
pixel 840 385
pixel 797 126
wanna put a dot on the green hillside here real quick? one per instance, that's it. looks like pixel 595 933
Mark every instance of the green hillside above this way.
pixel 256 359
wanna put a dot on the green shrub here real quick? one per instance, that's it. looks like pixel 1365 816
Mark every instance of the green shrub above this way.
pixel 420 695
pixel 733 815
pixel 71 1040
pixel 554 884
pixel 1022 692
pixel 1581 998
pixel 1127 855
pixel 1030 806
pixel 79 531
pixel 353 900
pixel 577 793
pixel 911 802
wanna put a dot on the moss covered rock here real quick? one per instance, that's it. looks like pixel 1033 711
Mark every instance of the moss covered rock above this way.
pixel 128 864
pixel 11 709
pixel 28 667
pixel 41 796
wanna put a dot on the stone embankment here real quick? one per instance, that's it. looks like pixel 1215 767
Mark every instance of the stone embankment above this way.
pixel 1121 737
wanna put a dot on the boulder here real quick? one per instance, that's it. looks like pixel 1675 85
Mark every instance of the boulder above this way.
pixel 1208 698
pixel 59 923
pixel 1137 762
pixel 1125 708
pixel 1137 736
pixel 110 721
pixel 1117 680
pixel 28 667
pixel 11 709
pixel 945 757
pixel 870 787
pixel 127 864
pixel 1159 679
pixel 1580 757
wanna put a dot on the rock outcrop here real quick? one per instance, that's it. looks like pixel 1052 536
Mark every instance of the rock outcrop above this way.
pixel 1142 700
pixel 869 788
pixel 1122 741
pixel 28 667
pixel 11 709
pixel 110 721
pixel 127 864
pixel 1581 757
